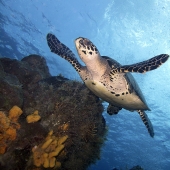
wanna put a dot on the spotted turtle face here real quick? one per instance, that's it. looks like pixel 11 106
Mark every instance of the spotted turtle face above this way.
pixel 86 49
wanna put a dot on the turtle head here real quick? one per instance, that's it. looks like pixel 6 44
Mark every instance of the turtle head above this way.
pixel 86 49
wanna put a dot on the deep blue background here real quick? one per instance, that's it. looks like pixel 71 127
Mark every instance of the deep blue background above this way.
pixel 127 30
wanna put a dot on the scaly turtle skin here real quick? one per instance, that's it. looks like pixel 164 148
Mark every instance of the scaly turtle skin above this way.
pixel 107 79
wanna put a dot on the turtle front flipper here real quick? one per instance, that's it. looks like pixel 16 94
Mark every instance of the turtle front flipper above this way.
pixel 147 122
pixel 144 66
pixel 63 51
pixel 111 109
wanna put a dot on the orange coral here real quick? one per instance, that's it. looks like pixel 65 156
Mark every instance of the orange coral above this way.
pixel 46 153
pixel 8 127
pixel 14 113
pixel 11 133
pixel 64 127
pixel 33 117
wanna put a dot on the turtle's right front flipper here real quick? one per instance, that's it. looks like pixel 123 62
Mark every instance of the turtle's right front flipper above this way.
pixel 63 51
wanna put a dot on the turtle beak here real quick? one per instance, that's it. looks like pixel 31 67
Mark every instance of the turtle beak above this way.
pixel 78 38
pixel 77 42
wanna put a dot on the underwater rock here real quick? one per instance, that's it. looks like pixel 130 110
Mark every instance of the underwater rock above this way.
pixel 133 168
pixel 25 70
pixel 70 114
pixel 10 89
pixel 137 168
pixel 37 62
pixel 17 76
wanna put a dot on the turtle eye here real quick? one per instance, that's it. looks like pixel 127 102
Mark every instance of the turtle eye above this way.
pixel 82 43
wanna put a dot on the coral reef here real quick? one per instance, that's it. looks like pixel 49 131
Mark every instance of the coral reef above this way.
pixel 68 110
pixel 8 127
pixel 33 117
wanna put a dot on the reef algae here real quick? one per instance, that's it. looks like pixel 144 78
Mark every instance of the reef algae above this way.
pixel 8 127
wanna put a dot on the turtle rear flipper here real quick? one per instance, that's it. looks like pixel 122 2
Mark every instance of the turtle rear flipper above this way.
pixel 111 109
pixel 147 122
pixel 63 51
pixel 144 66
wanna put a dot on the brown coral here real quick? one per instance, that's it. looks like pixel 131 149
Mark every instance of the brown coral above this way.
pixel 8 127
pixel 45 154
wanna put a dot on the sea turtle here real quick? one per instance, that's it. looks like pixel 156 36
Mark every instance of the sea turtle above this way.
pixel 108 79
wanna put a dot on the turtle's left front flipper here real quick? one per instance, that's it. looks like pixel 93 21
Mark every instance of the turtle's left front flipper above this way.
pixel 147 122
pixel 63 51
pixel 144 66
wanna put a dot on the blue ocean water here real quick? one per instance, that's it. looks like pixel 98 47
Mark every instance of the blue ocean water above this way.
pixel 127 30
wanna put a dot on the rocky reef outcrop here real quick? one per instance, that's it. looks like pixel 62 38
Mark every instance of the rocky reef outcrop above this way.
pixel 61 125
